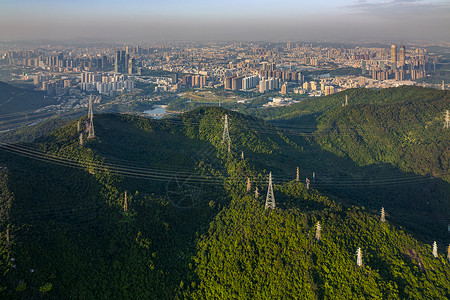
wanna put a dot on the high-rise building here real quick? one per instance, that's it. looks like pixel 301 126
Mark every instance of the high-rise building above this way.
pixel 284 89
pixel 117 63
pixel 236 83
pixel 394 57
pixel 401 57
pixel 227 83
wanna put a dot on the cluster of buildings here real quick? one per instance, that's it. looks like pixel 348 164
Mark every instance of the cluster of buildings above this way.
pixel 400 69
pixel 105 83
pixel 258 67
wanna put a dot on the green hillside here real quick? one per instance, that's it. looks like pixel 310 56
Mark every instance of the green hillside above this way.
pixel 192 231
pixel 397 126
pixel 13 99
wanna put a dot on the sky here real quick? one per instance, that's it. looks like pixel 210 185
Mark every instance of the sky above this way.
pixel 261 20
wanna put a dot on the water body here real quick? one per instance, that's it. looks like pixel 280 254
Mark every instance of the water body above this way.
pixel 156 112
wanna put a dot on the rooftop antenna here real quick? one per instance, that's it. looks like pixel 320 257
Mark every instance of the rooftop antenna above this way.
pixel 226 134
pixel 270 199
pixel 91 133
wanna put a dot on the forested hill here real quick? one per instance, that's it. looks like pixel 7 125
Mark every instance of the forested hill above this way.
pixel 189 227
pixel 321 105
pixel 400 126
pixel 14 99
pixel 409 135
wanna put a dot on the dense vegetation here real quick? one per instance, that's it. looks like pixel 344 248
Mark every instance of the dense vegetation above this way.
pixel 13 99
pixel 192 231
pixel 251 253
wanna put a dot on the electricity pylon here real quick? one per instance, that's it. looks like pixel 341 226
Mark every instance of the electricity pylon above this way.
pixel 270 199
pixel 447 119
pixel 125 203
pixel 256 193
pixel 81 139
pixel 359 257
pixel 318 231
pixel 307 183
pixel 435 253
pixel 297 178
pixel 249 185
pixel 448 253
pixel 91 133
pixel 383 215
pixel 78 126
pixel 226 134
pixel 346 100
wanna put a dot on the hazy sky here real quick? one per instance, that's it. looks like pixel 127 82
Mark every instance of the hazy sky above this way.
pixel 154 20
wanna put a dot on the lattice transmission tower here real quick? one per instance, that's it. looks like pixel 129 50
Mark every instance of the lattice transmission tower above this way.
pixel 125 203
pixel 318 229
pixel 435 252
pixel 383 215
pixel 270 198
pixel 91 133
pixel 447 119
pixel 359 256
pixel 226 134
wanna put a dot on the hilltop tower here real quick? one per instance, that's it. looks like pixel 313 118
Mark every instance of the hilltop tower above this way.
pixel 359 257
pixel 383 215
pixel 125 203
pixel 318 228
pixel 435 251
pixel 226 134
pixel 447 119
pixel 91 133
pixel 270 199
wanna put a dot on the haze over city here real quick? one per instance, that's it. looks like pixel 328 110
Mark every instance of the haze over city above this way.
pixel 138 20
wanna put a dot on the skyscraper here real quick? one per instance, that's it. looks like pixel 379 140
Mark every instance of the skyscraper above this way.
pixel 401 57
pixel 394 56
pixel 117 62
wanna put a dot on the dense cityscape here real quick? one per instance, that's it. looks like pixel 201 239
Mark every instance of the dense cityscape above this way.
pixel 225 149
pixel 254 68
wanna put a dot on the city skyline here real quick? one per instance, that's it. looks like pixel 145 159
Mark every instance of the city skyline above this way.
pixel 139 20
